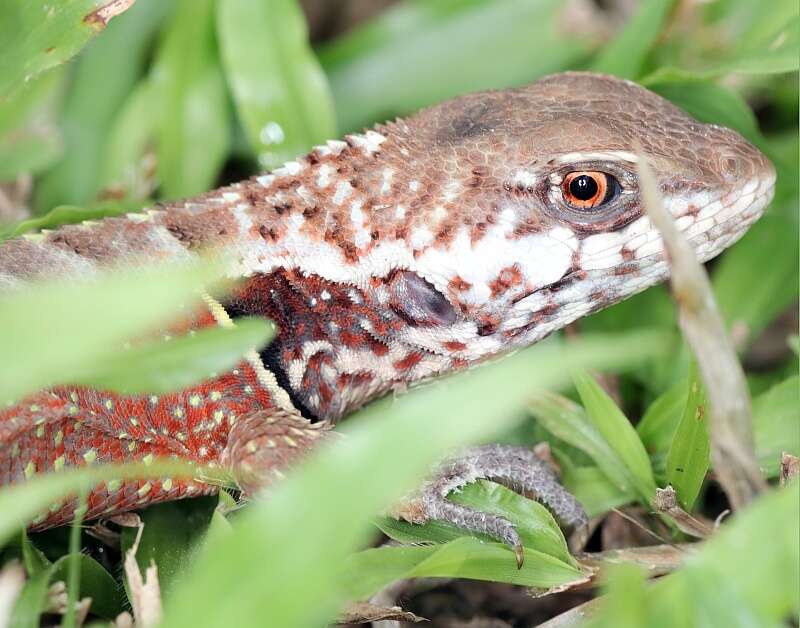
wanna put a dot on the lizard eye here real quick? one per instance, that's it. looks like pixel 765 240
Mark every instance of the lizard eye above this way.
pixel 586 189
pixel 418 302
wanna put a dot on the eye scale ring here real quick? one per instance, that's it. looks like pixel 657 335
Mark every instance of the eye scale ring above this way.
pixel 585 189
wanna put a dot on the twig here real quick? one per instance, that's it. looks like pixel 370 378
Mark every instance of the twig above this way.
pixel 731 426
pixel 145 591
pixel 12 579
pixel 666 502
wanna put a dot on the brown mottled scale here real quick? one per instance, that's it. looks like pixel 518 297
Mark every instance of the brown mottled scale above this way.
pixel 417 248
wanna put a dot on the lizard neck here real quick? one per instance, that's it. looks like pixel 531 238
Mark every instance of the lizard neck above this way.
pixel 337 345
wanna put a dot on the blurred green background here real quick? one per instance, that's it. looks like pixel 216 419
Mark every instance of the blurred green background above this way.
pixel 174 97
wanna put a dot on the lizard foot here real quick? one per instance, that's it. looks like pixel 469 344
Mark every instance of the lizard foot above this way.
pixel 515 467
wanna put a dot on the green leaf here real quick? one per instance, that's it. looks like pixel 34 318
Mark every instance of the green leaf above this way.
pixel 758 278
pixel 618 433
pixel 534 523
pixel 194 122
pixel 280 91
pixel 110 66
pixel 61 331
pixel 568 421
pixel 776 424
pixel 404 59
pixel 159 367
pixel 37 34
pixel 626 54
pixel 625 601
pixel 370 570
pixel 95 582
pixel 595 492
pixel 30 139
pixel 34 559
pixel 66 215
pixel 688 455
pixel 771 52
pixel 172 532
pixel 318 515
pixel 129 167
pixel 661 418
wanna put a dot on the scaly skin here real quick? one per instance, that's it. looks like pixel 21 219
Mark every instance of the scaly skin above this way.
pixel 421 247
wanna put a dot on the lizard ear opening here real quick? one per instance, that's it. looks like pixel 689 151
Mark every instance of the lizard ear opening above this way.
pixel 418 302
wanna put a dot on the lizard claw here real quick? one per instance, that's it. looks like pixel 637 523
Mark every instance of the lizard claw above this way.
pixel 516 467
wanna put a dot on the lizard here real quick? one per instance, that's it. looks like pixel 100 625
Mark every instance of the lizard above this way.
pixel 419 247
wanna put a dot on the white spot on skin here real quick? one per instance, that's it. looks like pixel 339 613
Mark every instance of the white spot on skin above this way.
pixel 420 238
pixel 336 146
pixel 400 212
pixel 356 215
pixel 242 215
pixel 508 219
pixel 324 175
pixel 524 178
pixel 290 168
pixel 413 185
pixel 452 190
pixel 306 194
pixel 343 190
pixel 325 295
pixel 386 184
pixel 266 180
pixel 369 142
pixel 231 196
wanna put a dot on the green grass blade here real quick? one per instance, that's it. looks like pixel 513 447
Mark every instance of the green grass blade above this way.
pixel 193 135
pixel 281 94
pixel 403 60
pixel 370 570
pixel 626 54
pixel 658 424
pixel 103 76
pixel 30 139
pixel 20 503
pixel 688 455
pixel 618 433
pixel 159 367
pixel 592 488
pixel 568 421
pixel 56 332
pixel 776 424
pixel 65 215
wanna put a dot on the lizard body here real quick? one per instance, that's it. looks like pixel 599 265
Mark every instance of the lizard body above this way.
pixel 420 247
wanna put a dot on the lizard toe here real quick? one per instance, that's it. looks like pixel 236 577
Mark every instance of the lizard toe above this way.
pixel 516 467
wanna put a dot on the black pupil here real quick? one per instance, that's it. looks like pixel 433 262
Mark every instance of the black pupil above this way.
pixel 584 187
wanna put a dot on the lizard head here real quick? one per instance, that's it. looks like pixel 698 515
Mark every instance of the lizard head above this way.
pixel 485 223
